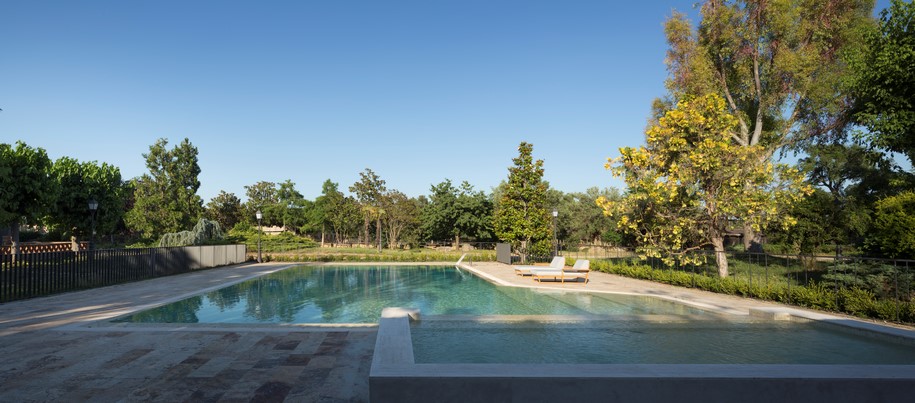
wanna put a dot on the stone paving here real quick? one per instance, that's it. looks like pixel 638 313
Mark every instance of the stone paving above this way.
pixel 61 348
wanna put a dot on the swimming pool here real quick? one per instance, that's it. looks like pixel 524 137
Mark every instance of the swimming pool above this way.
pixel 652 340
pixel 357 294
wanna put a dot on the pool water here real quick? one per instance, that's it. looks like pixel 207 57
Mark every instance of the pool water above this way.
pixel 643 341
pixel 357 294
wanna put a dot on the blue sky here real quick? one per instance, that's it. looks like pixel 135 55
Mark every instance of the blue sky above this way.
pixel 418 91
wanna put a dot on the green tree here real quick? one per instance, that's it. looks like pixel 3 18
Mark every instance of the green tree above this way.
pixel 76 184
pixel 894 226
pixel 439 215
pixel 521 216
pixel 27 189
pixel 165 199
pixel 292 207
pixel 225 209
pixel 777 63
pixel 474 214
pixel 581 220
pixel 401 214
pixel 369 191
pixel 884 80
pixel 690 180
pixel 262 197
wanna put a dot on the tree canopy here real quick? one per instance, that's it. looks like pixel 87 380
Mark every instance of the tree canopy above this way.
pixel 884 80
pixel 165 199
pixel 77 183
pixel 521 215
pixel 28 189
pixel 690 181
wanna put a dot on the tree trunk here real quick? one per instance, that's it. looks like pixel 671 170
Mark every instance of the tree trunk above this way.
pixel 365 231
pixel 457 241
pixel 752 241
pixel 378 232
pixel 322 235
pixel 720 257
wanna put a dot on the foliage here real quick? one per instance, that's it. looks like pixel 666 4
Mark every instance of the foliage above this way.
pixel 340 212
pixel 521 216
pixel 884 81
pixel 224 208
pixel 778 65
pixel 370 190
pixel 165 199
pixel 893 232
pixel 582 220
pixel 204 232
pixel 402 213
pixel 76 184
pixel 456 212
pixel 690 180
pixel 262 197
pixel 26 188
pixel 854 301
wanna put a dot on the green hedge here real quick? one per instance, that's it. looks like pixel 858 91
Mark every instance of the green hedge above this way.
pixel 853 301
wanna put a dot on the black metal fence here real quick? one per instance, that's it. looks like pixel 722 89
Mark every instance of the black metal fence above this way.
pixel 35 274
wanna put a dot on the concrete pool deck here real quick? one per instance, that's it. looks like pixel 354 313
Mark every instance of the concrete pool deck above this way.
pixel 61 348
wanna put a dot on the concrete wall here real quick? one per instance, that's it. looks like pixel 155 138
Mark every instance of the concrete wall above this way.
pixel 206 256
pixel 394 377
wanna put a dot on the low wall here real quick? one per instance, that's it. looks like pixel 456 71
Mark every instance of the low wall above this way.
pixel 395 377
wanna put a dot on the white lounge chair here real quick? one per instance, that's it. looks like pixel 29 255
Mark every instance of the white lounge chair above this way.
pixel 557 264
pixel 580 270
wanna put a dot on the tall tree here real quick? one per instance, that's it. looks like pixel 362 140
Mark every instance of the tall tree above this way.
pixel 369 191
pixel 225 208
pixel 165 199
pixel 401 214
pixel 27 190
pixel 439 215
pixel 521 216
pixel 581 220
pixel 77 183
pixel 328 206
pixel 777 63
pixel 884 80
pixel 690 180
pixel 262 197
pixel 474 214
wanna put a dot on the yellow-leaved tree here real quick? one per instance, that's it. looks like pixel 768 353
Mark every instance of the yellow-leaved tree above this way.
pixel 691 183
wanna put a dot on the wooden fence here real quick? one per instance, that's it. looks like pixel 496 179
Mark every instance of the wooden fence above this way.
pixel 43 273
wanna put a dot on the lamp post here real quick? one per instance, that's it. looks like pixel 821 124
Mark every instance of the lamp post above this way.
pixel 259 216
pixel 93 207
pixel 555 243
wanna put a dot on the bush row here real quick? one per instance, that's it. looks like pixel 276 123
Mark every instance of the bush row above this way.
pixel 853 301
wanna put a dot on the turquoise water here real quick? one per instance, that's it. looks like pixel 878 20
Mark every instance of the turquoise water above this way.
pixel 357 294
pixel 650 342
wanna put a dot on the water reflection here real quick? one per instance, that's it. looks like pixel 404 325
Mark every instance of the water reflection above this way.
pixel 357 294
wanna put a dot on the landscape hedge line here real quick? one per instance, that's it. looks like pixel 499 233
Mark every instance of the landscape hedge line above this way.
pixel 853 301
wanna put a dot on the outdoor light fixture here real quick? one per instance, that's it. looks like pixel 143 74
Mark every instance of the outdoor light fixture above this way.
pixel 93 207
pixel 259 216
pixel 555 242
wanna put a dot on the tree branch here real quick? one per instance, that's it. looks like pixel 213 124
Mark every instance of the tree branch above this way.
pixel 744 131
pixel 757 129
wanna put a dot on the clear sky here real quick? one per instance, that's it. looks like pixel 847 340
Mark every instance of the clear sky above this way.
pixel 418 91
